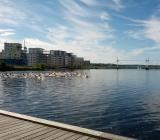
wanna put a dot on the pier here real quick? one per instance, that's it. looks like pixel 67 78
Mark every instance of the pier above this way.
pixel 14 126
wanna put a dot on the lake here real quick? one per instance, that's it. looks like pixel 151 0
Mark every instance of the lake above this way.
pixel 123 102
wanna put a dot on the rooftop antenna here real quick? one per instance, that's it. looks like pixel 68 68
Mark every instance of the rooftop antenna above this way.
pixel 117 62
pixel 147 64
pixel 25 48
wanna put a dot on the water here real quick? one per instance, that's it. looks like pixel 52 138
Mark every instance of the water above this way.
pixel 124 102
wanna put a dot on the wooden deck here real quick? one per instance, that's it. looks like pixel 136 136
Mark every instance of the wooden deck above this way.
pixel 15 126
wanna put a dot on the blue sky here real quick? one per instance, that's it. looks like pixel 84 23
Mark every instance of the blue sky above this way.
pixel 99 30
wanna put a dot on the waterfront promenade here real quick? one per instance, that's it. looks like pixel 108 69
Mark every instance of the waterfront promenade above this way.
pixel 15 126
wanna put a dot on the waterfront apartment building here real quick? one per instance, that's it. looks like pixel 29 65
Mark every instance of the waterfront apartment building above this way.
pixel 12 51
pixel 57 59
pixel 78 62
pixel 36 57
pixel 1 55
pixel 62 59
pixel 13 54
pixel 86 63
pixel 68 60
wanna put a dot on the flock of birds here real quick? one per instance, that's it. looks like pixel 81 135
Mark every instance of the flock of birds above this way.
pixel 41 75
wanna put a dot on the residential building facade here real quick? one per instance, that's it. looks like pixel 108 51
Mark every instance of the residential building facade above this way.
pixel 78 62
pixel 36 56
pixel 12 51
pixel 57 59
pixel 68 60
pixel 13 54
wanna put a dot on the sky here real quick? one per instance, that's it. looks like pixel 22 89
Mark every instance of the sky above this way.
pixel 98 30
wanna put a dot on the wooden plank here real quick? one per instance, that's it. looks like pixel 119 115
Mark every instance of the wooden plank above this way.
pixel 74 137
pixel 20 122
pixel 27 133
pixel 20 132
pixel 63 137
pixel 15 129
pixel 3 118
pixel 1 115
pixel 93 139
pixel 58 134
pixel 83 138
pixel 24 126
pixel 9 121
pixel 33 134
pixel 67 127
pixel 6 119
pixel 42 137
pixel 11 127
pixel 15 126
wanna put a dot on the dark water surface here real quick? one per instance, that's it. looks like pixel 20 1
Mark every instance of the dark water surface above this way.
pixel 125 102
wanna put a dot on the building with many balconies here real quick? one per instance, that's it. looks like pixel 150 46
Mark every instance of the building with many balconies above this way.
pixel 13 54
pixel 57 59
pixel 36 57
pixel 12 51
pixel 68 60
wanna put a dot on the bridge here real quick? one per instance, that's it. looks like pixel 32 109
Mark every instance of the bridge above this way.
pixel 140 62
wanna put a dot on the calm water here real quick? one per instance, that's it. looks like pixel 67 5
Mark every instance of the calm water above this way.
pixel 125 102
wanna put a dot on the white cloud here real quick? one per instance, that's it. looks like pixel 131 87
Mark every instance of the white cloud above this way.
pixel 1 45
pixel 22 14
pixel 105 16
pixel 135 34
pixel 89 2
pixel 6 32
pixel 73 7
pixel 82 32
pixel 7 39
pixel 152 29
pixel 56 34
pixel 37 43
pixel 87 26
pixel 96 53
pixel 149 29
pixel 10 14
pixel 140 51
pixel 116 5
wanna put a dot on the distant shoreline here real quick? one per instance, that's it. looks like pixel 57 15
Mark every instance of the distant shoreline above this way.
pixel 38 69
pixel 91 66
pixel 127 66
pixel 67 69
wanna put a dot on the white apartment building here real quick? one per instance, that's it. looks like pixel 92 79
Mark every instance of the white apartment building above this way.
pixel 36 57
pixel 12 51
pixel 68 59
pixel 78 61
pixel 57 59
